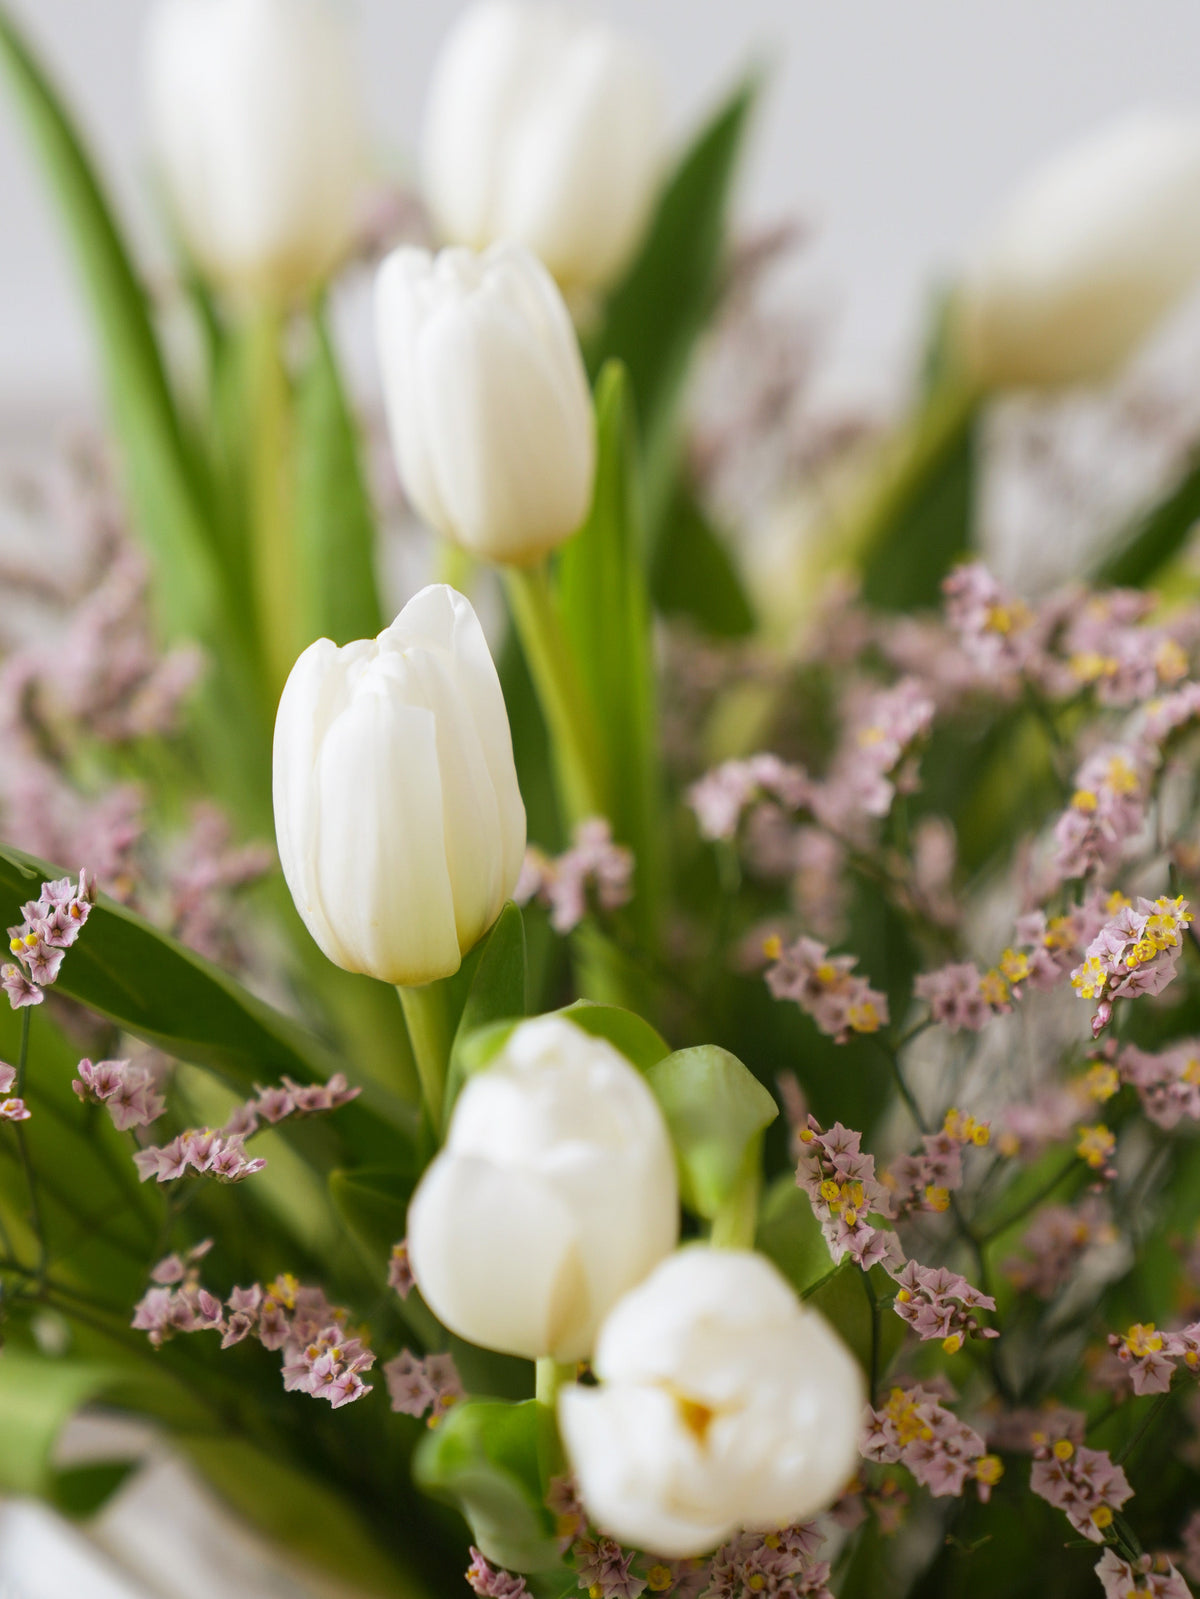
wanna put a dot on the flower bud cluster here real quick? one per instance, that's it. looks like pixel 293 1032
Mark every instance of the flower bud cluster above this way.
pixel 51 924
pixel 916 1429
pixel 129 1090
pixel 1151 1357
pixel 1137 952
pixel 1081 1482
pixel 935 1302
pixel 826 987
pixel 840 1182
pixel 423 1387
pixel 925 1181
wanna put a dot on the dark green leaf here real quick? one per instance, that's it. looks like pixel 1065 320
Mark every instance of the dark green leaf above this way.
pixel 335 524
pixel 1158 534
pixel 655 315
pixel 373 1202
pixel 843 1300
pixel 606 614
pixel 716 1110
pixel 694 574
pixel 497 991
pixel 790 1235
pixel 83 1490
pixel 486 1457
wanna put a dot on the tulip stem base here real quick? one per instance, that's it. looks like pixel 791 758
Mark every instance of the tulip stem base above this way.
pixel 736 1223
pixel 550 1375
pixel 570 719
pixel 427 1017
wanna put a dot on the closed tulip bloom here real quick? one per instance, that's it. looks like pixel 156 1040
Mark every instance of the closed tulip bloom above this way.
pixel 545 127
pixel 554 1195
pixel 487 399
pixel 724 1404
pixel 397 813
pixel 254 116
pixel 1090 255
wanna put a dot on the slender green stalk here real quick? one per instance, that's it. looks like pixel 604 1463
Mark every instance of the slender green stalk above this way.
pixel 736 1223
pixel 575 743
pixel 273 555
pixel 551 1374
pixel 35 1206
pixel 428 1020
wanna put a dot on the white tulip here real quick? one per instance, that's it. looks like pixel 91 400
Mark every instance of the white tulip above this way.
pixel 554 1195
pixel 255 121
pixel 724 1405
pixel 397 813
pixel 1090 255
pixel 545 127
pixel 487 398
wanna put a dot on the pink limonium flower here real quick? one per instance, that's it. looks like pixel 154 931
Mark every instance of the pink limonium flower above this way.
pixel 1137 952
pixel 774 1563
pixel 426 1387
pixel 1167 1082
pixel 200 1150
pixel 843 1190
pixel 1055 1242
pixel 826 987
pixel 1107 810
pixel 926 1180
pixel 936 1303
pixel 1083 1483
pixel 489 1582
pixel 1152 1356
pixel 916 1429
pixel 562 883
pixel 604 1569
pixel 129 1091
pixel 51 924
pixel 960 996
pixel 1153 1576
pixel 400 1277
pixel 720 798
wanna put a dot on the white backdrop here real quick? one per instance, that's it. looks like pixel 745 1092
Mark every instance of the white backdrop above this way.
pixel 891 125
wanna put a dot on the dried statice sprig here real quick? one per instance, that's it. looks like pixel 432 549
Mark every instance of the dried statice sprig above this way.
pixel 840 1181
pixel 1137 952
pixel 840 1000
pixel 129 1090
pixel 562 883
pixel 1056 1241
pixel 1083 1483
pixel 428 1387
pixel 1152 1357
pixel 937 1303
pixel 50 926
pixel 1154 1576
pixel 12 1109
pixel 918 1430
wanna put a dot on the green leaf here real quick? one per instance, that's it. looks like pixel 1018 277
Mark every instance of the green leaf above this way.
pixel 1156 536
pixel 162 479
pixel 335 524
pixel 716 1110
pixel 606 613
pixel 842 1298
pixel 497 991
pixel 635 1039
pixel 83 1490
pixel 37 1399
pixel 485 1457
pixel 789 1234
pixel 655 315
pixel 694 574
pixel 373 1202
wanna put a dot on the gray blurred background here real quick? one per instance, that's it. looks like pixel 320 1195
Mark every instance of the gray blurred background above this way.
pixel 891 128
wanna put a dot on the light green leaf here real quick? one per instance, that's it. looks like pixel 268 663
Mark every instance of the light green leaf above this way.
pixel 606 614
pixel 694 574
pixel 497 991
pixel 335 524
pixel 37 1399
pixel 790 1234
pixel 485 1457
pixel 655 315
pixel 716 1110
pixel 629 1034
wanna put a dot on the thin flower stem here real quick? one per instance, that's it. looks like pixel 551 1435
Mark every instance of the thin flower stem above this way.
pixel 35 1207
pixel 1148 1421
pixel 428 1022
pixel 874 1302
pixel 1030 1204
pixel 906 1094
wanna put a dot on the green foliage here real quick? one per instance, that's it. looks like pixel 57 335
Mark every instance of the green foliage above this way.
pixel 497 995
pixel 486 1457
pixel 635 1039
pixel 335 525
pixel 789 1234
pixel 695 576
pixel 1141 551
pixel 871 1330
pixel 81 1491
pixel 716 1111
pixel 373 1202
pixel 37 1399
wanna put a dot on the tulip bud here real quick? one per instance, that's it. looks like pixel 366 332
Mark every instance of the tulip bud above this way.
pixel 1090 255
pixel 724 1404
pixel 254 116
pixel 487 399
pixel 547 128
pixel 554 1195
pixel 397 813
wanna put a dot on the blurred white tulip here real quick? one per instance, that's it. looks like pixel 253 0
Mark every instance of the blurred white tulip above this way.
pixel 397 813
pixel 487 398
pixel 723 1405
pixel 255 120
pixel 1088 257
pixel 545 127
pixel 554 1195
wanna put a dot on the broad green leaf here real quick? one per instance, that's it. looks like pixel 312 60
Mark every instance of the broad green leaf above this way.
pixel 635 1039
pixel 716 1110
pixel 497 991
pixel 1145 547
pixel 485 1457
pixel 873 1337
pixel 694 574
pixel 606 613
pixel 335 524
pixel 790 1235
pixel 657 312
pixel 373 1202
pixel 81 1491
pixel 163 481
pixel 37 1399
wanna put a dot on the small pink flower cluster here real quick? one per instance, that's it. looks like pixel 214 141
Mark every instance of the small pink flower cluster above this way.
pixel 936 1302
pixel 1083 1483
pixel 1151 1357
pixel 1135 953
pixel 11 1110
pixel 129 1090
pixel 275 1105
pixel 491 1583
pixel 1029 1127
pixel 1167 1082
pixel 400 1277
pixel 960 996
pixel 1161 718
pixel 319 1358
pixel 777 1565
pixel 1055 1242
pixel 1154 1576
pixel 840 1182
pixel 720 798
pixel 997 632
pixel 917 1430
pixel 869 769
pixel 1107 809
pixel 925 1181
pixel 201 1150
pixel 419 1387
pixel 52 923
pixel 1108 650
pixel 561 883
pixel 838 999
pixel 605 1570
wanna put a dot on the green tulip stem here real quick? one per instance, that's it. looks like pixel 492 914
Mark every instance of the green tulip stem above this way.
pixel 570 719
pixel 273 554
pixel 427 1017
pixel 551 1374
pixel 736 1222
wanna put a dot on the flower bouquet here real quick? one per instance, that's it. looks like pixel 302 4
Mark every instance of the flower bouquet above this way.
pixel 710 1105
